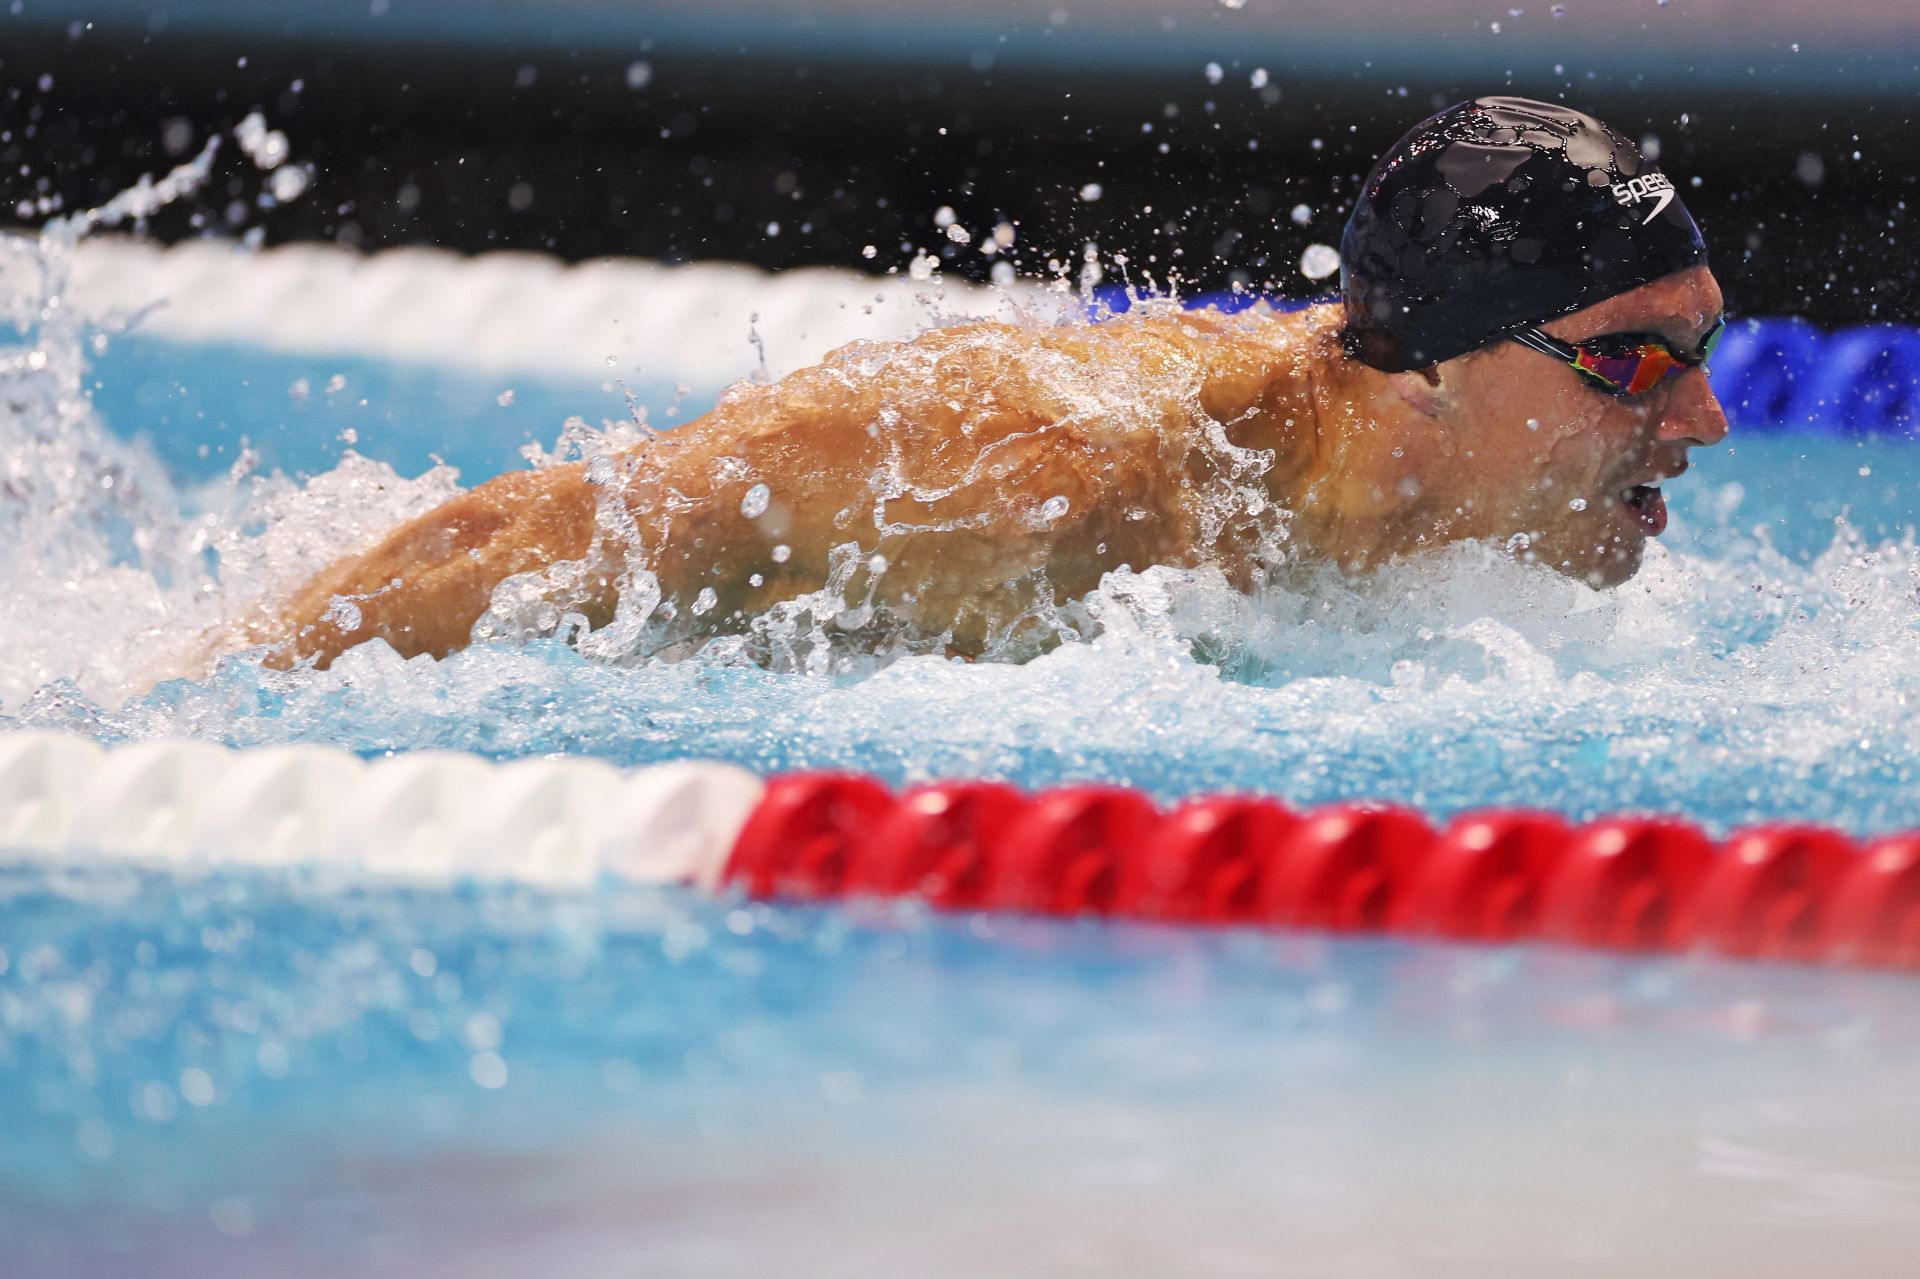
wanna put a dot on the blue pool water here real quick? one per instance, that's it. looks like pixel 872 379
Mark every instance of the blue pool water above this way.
pixel 300 1073
pixel 279 1074
pixel 196 407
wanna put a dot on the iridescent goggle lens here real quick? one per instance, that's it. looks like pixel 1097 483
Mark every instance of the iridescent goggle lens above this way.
pixel 1630 364
pixel 1623 363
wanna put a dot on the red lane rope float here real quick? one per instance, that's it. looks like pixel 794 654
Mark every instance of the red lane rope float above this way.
pixel 805 834
pixel 1202 863
pixel 935 843
pixel 1790 893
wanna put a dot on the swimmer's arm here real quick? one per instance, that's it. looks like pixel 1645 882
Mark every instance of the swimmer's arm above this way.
pixel 937 485
pixel 423 585
pixel 820 440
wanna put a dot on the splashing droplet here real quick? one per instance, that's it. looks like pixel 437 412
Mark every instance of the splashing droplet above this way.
pixel 288 183
pixel 267 148
pixel 1319 261
pixel 754 504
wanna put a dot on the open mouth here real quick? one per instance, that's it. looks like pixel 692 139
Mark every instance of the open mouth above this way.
pixel 1649 506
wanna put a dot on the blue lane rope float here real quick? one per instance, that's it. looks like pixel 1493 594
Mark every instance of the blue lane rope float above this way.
pixel 1775 376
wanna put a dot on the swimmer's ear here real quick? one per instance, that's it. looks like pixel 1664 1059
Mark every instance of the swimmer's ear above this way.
pixel 1423 389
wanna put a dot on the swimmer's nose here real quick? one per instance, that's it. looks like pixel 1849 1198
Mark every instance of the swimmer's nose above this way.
pixel 1692 415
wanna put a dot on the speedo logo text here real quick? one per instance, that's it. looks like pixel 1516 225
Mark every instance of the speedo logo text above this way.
pixel 1634 190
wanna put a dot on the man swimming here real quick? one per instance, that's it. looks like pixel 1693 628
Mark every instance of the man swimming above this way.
pixel 1515 358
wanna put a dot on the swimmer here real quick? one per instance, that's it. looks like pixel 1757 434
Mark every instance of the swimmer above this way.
pixel 1515 358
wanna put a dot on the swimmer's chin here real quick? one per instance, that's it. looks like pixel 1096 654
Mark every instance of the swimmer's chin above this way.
pixel 1600 567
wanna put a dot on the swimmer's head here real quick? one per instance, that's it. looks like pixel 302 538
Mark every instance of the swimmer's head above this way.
pixel 1492 234
pixel 1498 214
pixel 1508 445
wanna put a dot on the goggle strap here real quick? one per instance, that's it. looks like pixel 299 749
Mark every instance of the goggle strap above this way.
pixel 1546 344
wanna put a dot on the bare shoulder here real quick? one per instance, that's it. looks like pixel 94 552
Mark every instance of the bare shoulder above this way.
pixel 985 400
pixel 979 356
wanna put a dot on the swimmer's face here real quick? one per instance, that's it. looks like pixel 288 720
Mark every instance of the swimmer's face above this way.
pixel 1543 453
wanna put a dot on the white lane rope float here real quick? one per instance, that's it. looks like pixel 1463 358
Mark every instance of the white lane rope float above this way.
pixel 425 815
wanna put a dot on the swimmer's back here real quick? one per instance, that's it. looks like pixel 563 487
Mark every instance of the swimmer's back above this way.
pixel 950 490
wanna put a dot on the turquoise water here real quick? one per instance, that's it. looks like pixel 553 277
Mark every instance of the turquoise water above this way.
pixel 196 407
pixel 279 1074
pixel 298 1073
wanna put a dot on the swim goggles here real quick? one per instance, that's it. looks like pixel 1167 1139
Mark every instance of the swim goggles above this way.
pixel 1623 363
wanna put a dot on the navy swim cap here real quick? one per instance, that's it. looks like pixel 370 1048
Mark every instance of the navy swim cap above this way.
pixel 1496 214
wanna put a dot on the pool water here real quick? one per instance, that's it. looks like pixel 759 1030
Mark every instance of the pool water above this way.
pixel 300 1072
pixel 273 1073
pixel 198 407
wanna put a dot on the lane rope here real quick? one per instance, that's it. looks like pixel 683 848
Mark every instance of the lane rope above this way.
pixel 1793 893
pixel 1786 892
pixel 427 816
pixel 531 313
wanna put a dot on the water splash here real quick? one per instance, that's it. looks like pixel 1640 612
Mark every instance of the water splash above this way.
pixel 89 521
pixel 113 573
pixel 1732 679
pixel 950 477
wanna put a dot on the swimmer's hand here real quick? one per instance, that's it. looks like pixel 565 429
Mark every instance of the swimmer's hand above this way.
pixel 422 586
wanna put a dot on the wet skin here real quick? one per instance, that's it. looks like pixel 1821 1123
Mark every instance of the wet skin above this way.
pixel 1505 440
pixel 955 488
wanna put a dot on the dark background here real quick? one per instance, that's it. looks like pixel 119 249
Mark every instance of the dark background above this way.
pixel 676 150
